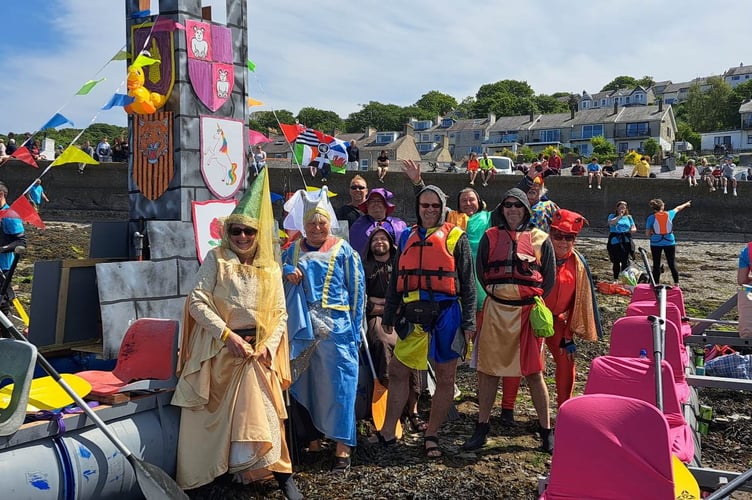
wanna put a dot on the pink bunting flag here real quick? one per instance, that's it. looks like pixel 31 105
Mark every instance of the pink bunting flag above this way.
pixel 257 137
pixel 164 24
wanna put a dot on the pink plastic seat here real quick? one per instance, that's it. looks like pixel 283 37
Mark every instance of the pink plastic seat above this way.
pixel 631 334
pixel 674 295
pixel 650 308
pixel 635 378
pixel 611 447
pixel 146 361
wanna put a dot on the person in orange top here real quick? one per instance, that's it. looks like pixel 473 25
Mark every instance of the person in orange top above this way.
pixel 472 167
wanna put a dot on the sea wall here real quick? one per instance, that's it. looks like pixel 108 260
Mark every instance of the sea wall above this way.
pixel 101 193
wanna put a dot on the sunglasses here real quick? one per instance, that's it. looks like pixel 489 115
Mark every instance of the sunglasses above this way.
pixel 237 231
pixel 565 237
pixel 515 204
pixel 357 188
pixel 430 205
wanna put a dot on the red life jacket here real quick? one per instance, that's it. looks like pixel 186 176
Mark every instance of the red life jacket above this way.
pixel 512 261
pixel 427 264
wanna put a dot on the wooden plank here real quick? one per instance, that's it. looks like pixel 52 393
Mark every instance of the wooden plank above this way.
pixel 62 305
pixel 717 314
pixel 86 262
pixel 110 399
pixel 735 384
pixel 91 347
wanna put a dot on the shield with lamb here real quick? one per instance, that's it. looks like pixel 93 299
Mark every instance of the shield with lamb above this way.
pixel 210 67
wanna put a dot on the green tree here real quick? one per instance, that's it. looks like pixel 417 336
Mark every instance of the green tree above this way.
pixel 319 119
pixel 262 121
pixel 646 82
pixel 713 109
pixel 602 147
pixel 377 115
pixel 504 98
pixel 685 133
pixel 436 103
pixel 465 109
pixel 620 82
pixel 651 147
pixel 550 104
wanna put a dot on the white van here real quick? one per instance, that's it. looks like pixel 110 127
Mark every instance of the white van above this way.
pixel 502 165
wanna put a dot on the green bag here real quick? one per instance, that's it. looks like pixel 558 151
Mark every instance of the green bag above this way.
pixel 542 319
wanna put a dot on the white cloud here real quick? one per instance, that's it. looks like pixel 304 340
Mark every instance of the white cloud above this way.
pixel 338 55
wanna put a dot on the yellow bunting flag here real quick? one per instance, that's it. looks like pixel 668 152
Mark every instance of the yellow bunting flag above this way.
pixel 143 60
pixel 253 102
pixel 313 189
pixel 120 56
pixel 73 154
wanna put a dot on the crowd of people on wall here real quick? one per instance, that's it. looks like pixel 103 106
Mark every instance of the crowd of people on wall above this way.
pixel 273 338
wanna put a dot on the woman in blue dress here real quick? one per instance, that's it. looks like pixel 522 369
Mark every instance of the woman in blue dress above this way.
pixel 325 292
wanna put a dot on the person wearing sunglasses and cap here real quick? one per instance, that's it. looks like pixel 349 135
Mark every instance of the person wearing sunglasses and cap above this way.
pixel 432 287
pixel 572 302
pixel 515 264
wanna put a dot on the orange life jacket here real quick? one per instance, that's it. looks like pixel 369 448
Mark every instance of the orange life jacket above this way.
pixel 512 260
pixel 427 264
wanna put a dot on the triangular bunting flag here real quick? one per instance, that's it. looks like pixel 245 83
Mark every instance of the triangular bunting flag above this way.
pixel 142 60
pixel 253 102
pixel 251 65
pixel 22 154
pixel 257 137
pixel 89 85
pixel 118 100
pixel 54 122
pixel 120 56
pixel 73 154
pixel 26 212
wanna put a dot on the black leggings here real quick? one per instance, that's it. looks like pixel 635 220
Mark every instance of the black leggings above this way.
pixel 670 252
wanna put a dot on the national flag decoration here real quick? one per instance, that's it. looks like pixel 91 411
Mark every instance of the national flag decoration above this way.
pixel 54 122
pixel 23 154
pixel 257 137
pixel 291 132
pixel 315 148
pixel 73 154
pixel 26 212
pixel 118 100
pixel 86 88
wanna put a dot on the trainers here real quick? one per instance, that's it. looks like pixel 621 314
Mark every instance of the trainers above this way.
pixel 590 186
pixel 507 417
pixel 478 439
pixel 725 191
pixel 599 187
pixel 735 192
pixel 547 440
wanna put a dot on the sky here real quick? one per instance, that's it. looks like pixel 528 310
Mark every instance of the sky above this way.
pixel 339 55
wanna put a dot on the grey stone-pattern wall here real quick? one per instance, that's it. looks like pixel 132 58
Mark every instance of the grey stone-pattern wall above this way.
pixel 188 184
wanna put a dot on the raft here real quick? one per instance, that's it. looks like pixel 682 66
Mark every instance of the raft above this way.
pixel 43 460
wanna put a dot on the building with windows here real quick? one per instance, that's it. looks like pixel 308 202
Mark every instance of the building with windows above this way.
pixel 738 75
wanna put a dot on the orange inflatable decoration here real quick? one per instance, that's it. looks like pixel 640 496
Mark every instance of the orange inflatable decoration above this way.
pixel 145 102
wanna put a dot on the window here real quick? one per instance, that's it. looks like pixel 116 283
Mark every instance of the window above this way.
pixel 590 131
pixel 735 77
pixel 722 139
pixel 364 165
pixel 585 149
pixel 637 129
pixel 623 147
pixel 476 135
pixel 749 138
pixel 549 135
pixel 425 137
pixel 385 138
pixel 437 138
pixel 447 122
pixel 425 147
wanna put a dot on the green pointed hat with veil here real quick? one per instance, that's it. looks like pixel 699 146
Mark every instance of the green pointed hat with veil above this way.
pixel 255 210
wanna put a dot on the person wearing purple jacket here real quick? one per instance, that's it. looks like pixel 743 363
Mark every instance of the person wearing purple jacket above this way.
pixel 377 209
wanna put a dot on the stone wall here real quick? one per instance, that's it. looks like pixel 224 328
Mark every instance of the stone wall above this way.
pixel 101 190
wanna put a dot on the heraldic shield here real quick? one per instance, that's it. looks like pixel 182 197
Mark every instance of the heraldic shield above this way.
pixel 210 65
pixel 153 168
pixel 159 45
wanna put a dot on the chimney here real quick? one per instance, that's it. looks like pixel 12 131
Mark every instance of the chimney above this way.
pixel 491 118
pixel 616 107
pixel 438 120
pixel 660 105
pixel 409 129
pixel 571 113
pixel 370 131
pixel 532 116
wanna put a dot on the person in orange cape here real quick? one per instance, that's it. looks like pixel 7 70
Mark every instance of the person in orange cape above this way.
pixel 234 359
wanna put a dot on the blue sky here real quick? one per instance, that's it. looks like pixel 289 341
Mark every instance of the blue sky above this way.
pixel 338 55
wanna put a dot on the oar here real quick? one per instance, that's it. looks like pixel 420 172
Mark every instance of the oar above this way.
pixel 155 484
pixel 380 393
pixel 45 393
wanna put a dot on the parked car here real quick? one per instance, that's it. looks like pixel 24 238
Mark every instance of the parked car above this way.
pixel 503 165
